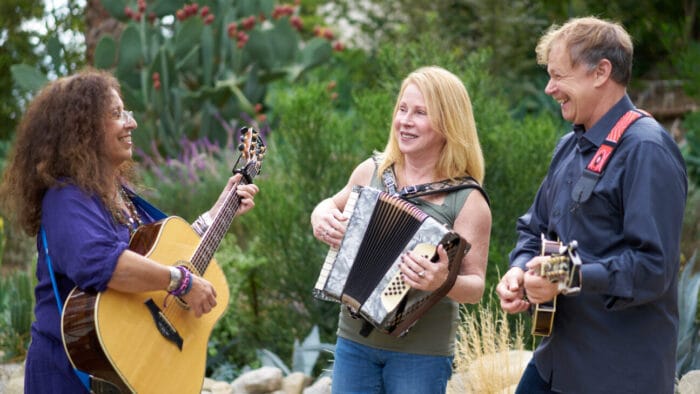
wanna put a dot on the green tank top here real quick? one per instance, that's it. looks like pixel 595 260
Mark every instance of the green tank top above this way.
pixel 435 332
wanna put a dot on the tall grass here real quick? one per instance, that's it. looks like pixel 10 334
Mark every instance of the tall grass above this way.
pixel 489 354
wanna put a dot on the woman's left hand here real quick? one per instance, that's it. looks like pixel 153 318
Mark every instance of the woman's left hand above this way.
pixel 421 273
pixel 246 192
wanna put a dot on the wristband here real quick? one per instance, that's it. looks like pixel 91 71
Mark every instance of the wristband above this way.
pixel 185 283
pixel 207 219
pixel 175 279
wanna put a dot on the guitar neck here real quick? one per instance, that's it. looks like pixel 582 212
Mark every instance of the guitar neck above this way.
pixel 218 229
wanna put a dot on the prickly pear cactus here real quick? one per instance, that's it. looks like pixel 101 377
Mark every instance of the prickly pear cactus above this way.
pixel 186 67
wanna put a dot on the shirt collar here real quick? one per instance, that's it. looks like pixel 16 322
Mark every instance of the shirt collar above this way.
pixel 596 134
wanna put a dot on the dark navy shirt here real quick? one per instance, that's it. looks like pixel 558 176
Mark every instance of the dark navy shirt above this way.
pixel 619 334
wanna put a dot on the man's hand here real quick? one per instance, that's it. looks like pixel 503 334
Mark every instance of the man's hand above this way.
pixel 511 291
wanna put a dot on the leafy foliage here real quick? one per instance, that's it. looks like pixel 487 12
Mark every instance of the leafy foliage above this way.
pixel 688 353
pixel 311 153
pixel 305 154
pixel 190 182
pixel 39 48
pixel 16 313
pixel 215 59
pixel 321 129
pixel 304 356
pixel 663 31
pixel 691 149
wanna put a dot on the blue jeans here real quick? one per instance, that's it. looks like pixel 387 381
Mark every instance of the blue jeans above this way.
pixel 362 369
pixel 532 383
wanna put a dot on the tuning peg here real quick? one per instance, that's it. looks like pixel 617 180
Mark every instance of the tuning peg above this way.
pixel 241 147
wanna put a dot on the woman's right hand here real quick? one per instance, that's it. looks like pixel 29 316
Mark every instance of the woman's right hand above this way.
pixel 202 296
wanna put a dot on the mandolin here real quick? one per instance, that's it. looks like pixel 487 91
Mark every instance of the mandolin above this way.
pixel 562 268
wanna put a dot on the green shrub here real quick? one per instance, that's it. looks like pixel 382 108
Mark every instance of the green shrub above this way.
pixel 190 183
pixel 306 152
pixel 516 151
pixel 688 353
pixel 16 313
pixel 232 344
pixel 312 149
pixel 691 148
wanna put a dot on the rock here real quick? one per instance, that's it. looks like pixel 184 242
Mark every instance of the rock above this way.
pixel 221 388
pixel 294 383
pixel 259 381
pixel 690 383
pixel 321 386
pixel 12 378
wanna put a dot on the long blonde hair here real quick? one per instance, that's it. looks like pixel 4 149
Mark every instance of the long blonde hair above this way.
pixel 450 113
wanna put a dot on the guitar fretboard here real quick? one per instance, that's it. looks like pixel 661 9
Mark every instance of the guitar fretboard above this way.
pixel 220 225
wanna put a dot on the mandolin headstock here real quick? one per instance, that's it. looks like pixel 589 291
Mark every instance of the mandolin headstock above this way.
pixel 562 259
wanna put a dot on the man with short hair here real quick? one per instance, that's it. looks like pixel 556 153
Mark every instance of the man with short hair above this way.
pixel 617 186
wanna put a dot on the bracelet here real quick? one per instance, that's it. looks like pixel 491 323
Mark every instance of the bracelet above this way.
pixel 202 224
pixel 185 284
pixel 206 217
pixel 175 278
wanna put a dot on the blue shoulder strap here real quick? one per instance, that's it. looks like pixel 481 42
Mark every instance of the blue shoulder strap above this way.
pixel 84 377
pixel 154 212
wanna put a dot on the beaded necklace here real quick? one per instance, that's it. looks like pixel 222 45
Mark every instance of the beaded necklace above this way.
pixel 131 217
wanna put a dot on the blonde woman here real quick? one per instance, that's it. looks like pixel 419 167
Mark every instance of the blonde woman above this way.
pixel 433 137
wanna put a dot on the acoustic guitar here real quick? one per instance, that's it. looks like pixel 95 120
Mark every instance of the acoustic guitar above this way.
pixel 562 268
pixel 143 342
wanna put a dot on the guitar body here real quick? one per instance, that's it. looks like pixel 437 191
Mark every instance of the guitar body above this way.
pixel 135 342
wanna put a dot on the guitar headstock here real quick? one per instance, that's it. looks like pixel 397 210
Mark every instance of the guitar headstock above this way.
pixel 253 149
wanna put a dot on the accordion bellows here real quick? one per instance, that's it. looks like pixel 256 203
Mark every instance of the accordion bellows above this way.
pixel 363 273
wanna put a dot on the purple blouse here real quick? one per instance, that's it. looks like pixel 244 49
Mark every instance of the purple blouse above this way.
pixel 84 243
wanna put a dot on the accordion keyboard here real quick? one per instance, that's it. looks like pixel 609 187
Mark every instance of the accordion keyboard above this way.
pixel 397 288
pixel 333 251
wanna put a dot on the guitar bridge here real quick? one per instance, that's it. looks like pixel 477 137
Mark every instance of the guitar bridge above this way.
pixel 163 325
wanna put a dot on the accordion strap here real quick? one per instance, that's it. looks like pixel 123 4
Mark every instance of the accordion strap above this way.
pixel 443 186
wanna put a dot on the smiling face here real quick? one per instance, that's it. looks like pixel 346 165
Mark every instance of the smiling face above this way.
pixel 118 128
pixel 572 86
pixel 412 126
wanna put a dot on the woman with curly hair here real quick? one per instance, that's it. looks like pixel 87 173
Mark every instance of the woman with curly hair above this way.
pixel 68 178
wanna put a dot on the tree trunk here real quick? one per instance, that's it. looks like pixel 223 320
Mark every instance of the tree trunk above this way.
pixel 98 22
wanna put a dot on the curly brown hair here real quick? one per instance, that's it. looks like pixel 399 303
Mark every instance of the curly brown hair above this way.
pixel 60 140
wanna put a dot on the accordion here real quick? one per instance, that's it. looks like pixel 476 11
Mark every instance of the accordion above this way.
pixel 363 273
